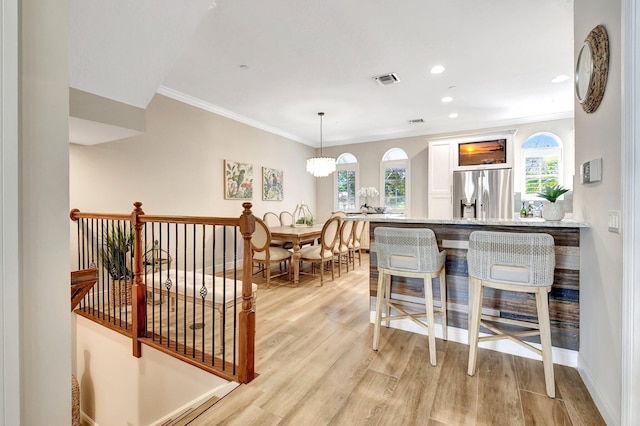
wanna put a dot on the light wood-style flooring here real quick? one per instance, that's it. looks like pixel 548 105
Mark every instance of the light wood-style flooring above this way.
pixel 316 367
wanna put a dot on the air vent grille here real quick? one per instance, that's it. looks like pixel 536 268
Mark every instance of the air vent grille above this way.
pixel 387 79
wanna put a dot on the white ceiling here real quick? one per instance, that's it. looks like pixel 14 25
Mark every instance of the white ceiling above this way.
pixel 303 57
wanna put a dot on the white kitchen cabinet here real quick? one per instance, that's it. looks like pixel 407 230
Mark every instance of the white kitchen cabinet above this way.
pixel 440 179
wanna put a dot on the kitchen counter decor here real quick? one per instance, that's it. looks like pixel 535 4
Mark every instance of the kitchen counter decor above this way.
pixel 552 208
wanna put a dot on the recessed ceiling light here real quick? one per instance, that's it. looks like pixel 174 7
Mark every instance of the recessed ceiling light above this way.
pixel 561 78
pixel 438 69
pixel 447 99
pixel 453 115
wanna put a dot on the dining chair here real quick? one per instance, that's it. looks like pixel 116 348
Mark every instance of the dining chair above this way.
pixel 410 253
pixel 341 214
pixel 265 255
pixel 272 220
pixel 286 218
pixel 323 253
pixel 341 249
pixel 518 262
pixel 356 245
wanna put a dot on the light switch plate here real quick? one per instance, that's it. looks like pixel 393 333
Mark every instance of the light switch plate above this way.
pixel 614 221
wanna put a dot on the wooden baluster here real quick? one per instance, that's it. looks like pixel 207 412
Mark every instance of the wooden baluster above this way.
pixel 247 332
pixel 139 305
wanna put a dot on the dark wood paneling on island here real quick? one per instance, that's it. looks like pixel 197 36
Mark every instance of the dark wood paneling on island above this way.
pixel 564 308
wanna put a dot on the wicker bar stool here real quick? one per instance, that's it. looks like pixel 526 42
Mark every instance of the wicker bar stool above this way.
pixel 412 253
pixel 515 262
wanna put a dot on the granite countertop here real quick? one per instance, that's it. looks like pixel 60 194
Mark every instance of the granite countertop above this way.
pixel 529 222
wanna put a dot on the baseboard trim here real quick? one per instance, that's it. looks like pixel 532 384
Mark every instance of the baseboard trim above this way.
pixel 608 414
pixel 219 392
pixel 561 356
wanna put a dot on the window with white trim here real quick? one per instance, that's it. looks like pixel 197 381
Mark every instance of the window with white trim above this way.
pixel 541 163
pixel 394 181
pixel 346 182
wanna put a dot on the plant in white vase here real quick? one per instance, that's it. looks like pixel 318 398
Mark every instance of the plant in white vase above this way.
pixel 552 209
pixel 367 192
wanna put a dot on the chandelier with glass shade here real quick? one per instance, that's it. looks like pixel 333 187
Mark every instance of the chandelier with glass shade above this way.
pixel 321 166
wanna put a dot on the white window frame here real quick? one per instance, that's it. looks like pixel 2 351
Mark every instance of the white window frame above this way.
pixel 342 167
pixel 404 163
pixel 535 152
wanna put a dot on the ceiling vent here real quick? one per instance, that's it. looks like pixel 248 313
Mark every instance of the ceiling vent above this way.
pixel 387 79
pixel 416 121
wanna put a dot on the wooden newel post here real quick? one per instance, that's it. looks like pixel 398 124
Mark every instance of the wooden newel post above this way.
pixel 138 290
pixel 247 332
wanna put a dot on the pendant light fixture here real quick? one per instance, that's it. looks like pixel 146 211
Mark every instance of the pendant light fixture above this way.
pixel 321 166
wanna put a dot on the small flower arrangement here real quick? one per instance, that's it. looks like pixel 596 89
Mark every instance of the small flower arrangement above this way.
pixel 366 192
pixel 552 192
pixel 369 191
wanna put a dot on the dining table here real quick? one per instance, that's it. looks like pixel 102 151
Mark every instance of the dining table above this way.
pixel 298 236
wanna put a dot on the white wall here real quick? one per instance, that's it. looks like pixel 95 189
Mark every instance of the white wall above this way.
pixel 9 217
pixel 176 167
pixel 600 135
pixel 119 389
pixel 370 154
pixel 45 333
pixel 631 205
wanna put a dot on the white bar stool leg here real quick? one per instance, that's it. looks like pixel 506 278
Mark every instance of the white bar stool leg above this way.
pixel 542 301
pixel 428 296
pixel 379 301
pixel 443 302
pixel 475 306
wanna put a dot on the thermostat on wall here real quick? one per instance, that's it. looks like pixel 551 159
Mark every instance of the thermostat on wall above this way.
pixel 591 171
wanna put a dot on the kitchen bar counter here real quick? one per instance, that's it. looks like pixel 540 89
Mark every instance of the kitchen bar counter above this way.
pixel 453 236
pixel 529 222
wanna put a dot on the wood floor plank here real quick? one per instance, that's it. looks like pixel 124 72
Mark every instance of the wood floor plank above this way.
pixel 234 404
pixel 328 396
pixel 432 422
pixel 539 409
pixel 531 376
pixel 411 402
pixel 252 415
pixel 283 392
pixel 316 367
pixel 366 402
pixel 393 362
pixel 498 396
pixel 456 400
pixel 579 403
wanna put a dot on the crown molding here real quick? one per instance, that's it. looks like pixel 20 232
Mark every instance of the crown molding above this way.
pixel 198 103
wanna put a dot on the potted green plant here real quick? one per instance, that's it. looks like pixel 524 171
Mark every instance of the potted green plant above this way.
pixel 552 209
pixel 114 256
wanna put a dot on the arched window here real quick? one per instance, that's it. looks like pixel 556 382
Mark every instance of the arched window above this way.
pixel 346 182
pixel 541 163
pixel 394 181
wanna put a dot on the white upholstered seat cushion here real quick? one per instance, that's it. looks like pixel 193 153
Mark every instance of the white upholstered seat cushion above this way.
pixel 276 254
pixel 313 252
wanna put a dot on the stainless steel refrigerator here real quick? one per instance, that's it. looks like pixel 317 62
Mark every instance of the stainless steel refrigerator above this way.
pixel 483 194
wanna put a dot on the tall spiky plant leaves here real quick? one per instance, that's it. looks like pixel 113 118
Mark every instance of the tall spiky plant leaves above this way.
pixel 117 245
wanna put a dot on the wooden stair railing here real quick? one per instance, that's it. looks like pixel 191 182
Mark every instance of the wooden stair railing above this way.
pixel 245 223
pixel 81 282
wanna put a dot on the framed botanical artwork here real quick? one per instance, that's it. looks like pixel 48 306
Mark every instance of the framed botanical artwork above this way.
pixel 238 180
pixel 272 189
